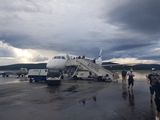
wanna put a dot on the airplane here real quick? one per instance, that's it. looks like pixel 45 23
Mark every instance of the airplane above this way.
pixel 59 61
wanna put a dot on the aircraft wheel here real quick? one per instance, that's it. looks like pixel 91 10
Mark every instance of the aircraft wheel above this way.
pixel 75 77
pixel 99 78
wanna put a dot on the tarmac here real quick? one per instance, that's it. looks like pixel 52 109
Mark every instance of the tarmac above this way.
pixel 75 100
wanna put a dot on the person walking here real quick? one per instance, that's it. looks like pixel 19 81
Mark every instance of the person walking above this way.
pixel 130 79
pixel 124 74
pixel 116 75
pixel 157 98
pixel 151 80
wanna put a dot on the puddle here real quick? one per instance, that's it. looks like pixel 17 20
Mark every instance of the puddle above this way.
pixel 54 89
pixel 40 87
pixel 15 81
pixel 72 88
pixel 94 98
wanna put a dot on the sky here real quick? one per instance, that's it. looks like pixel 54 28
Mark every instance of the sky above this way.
pixel 33 31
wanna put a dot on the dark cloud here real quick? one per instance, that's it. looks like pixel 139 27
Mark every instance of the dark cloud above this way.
pixel 129 44
pixel 25 6
pixel 132 28
pixel 139 19
pixel 10 19
pixel 78 47
pixel 150 57
pixel 121 48
pixel 95 34
pixel 25 41
pixel 18 40
pixel 138 15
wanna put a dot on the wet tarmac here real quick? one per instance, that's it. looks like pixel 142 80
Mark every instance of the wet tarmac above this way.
pixel 75 100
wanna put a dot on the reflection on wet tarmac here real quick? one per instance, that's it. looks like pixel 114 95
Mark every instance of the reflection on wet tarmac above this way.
pixel 72 88
pixel 140 75
pixel 94 98
pixel 12 79
pixel 54 89
pixel 124 91
pixel 131 99
pixel 90 82
pixel 96 101
pixel 84 101
pixel 130 94
pixel 152 113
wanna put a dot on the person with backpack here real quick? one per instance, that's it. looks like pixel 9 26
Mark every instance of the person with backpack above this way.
pixel 130 79
pixel 157 98
pixel 124 74
pixel 151 80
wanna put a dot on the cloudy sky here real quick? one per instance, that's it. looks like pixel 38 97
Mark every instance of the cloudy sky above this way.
pixel 33 31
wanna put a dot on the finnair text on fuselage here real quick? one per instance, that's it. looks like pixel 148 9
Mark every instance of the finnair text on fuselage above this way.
pixel 93 66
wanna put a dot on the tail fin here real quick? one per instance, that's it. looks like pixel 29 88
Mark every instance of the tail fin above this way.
pixel 99 59
pixel 100 54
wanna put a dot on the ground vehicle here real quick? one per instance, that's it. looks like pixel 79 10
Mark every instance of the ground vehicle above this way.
pixel 37 75
pixel 54 77
pixel 19 73
pixel 82 75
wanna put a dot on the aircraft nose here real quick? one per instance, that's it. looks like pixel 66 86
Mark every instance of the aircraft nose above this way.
pixel 52 65
pixel 49 65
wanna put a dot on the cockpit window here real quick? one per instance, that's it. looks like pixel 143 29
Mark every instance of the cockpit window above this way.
pixel 59 57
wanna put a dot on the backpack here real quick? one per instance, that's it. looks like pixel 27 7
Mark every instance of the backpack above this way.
pixel 124 73
pixel 130 76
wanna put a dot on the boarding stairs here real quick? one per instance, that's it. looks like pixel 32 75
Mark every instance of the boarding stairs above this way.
pixel 71 70
pixel 99 71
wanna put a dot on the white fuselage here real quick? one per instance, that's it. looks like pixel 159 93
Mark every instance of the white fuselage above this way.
pixel 59 61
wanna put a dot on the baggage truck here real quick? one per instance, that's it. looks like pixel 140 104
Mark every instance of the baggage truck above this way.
pixel 38 75
pixel 54 77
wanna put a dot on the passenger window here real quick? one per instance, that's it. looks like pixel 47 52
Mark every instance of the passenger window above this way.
pixel 63 57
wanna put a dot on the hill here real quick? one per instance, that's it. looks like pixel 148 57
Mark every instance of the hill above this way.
pixel 28 66
pixel 114 67
pixel 135 67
